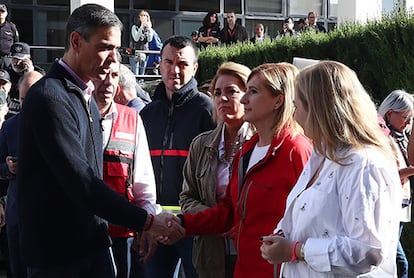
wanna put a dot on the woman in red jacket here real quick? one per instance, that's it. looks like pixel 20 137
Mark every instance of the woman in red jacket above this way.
pixel 263 171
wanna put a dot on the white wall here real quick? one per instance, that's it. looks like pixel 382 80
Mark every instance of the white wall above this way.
pixel 358 10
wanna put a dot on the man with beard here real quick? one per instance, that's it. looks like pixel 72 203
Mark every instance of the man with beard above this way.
pixel 20 62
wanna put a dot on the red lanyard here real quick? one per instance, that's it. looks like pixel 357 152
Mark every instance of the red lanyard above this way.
pixel 231 32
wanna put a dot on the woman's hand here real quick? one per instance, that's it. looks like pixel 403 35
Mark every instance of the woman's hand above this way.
pixel 276 249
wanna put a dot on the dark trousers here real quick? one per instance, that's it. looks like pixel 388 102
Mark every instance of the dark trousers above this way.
pixel 127 261
pixel 162 264
pixel 4 249
pixel 17 266
pixel 99 265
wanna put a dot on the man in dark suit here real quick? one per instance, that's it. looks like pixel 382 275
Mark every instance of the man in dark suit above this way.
pixel 63 204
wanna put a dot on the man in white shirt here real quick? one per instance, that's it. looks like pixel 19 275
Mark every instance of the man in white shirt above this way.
pixel 127 164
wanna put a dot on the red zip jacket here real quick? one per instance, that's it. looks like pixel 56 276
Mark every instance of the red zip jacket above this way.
pixel 255 201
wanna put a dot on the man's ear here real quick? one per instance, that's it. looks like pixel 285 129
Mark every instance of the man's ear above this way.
pixel 195 68
pixel 75 40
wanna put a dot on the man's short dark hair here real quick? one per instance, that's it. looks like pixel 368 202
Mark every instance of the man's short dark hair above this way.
pixel 86 19
pixel 180 42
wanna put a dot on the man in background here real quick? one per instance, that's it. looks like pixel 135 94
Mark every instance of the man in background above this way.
pixel 233 32
pixel 129 91
pixel 177 114
pixel 20 62
pixel 127 165
pixel 9 139
pixel 8 35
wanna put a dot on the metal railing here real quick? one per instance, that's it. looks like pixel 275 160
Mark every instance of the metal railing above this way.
pixel 138 77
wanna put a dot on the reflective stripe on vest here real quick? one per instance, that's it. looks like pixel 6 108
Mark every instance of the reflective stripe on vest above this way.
pixel 119 160
pixel 172 209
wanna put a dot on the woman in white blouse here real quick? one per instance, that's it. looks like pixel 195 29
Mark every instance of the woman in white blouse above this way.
pixel 340 218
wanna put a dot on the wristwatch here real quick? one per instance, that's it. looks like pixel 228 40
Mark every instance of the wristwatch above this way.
pixel 302 251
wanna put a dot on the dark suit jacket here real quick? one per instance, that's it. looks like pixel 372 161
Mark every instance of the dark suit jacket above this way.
pixel 61 196
pixel 9 137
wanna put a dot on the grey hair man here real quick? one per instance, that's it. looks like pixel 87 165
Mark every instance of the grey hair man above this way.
pixel 130 93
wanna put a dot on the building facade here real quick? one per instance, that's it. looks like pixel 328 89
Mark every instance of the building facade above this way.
pixel 42 22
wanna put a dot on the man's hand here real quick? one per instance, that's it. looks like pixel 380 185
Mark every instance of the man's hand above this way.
pixel 11 162
pixel 166 228
pixel 2 216
pixel 145 245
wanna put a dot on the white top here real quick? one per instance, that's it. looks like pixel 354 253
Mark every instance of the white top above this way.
pixel 258 154
pixel 144 181
pixel 347 218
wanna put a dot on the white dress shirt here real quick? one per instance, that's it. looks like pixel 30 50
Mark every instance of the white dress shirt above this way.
pixel 143 180
pixel 347 218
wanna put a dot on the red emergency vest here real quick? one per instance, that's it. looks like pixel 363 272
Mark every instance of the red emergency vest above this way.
pixel 118 161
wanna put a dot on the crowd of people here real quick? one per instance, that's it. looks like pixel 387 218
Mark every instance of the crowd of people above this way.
pixel 278 173
pixel 210 33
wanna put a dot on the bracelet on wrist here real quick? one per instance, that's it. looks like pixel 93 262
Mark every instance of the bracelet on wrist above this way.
pixel 294 257
pixel 302 251
pixel 181 218
pixel 151 221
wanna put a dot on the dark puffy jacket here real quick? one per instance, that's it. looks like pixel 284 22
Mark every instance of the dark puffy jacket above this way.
pixel 170 128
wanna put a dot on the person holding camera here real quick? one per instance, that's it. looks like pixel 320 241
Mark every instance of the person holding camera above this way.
pixel 5 85
pixel 141 35
pixel 20 62
pixel 8 35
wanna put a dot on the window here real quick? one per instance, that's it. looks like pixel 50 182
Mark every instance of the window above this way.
pixel 18 2
pixel 264 6
pixel 168 5
pixel 121 4
pixel 50 29
pixel 188 26
pixel 199 5
pixel 54 2
pixel 333 8
pixel 305 6
pixel 232 5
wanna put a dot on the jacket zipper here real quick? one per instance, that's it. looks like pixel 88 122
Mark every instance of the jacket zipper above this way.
pixel 165 143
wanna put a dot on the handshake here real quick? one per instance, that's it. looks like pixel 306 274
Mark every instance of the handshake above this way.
pixel 164 227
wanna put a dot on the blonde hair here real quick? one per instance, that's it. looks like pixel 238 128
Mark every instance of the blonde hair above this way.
pixel 340 112
pixel 239 71
pixel 279 78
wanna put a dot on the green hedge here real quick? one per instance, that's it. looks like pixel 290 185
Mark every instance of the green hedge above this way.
pixel 381 53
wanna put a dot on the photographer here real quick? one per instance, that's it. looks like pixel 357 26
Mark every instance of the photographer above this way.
pixel 141 35
pixel 20 62
pixel 5 86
